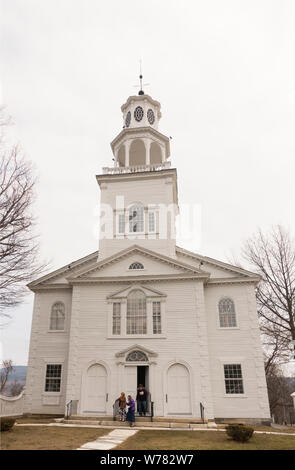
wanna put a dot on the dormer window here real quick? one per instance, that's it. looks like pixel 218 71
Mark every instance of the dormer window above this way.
pixel 136 265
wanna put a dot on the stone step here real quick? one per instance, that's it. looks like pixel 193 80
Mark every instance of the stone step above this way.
pixel 140 424
pixel 156 419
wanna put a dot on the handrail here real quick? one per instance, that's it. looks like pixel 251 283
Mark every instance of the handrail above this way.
pixel 136 168
pixel 69 409
pixel 152 410
pixel 202 410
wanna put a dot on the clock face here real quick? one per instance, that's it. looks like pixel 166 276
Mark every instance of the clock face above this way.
pixel 151 116
pixel 138 113
pixel 128 119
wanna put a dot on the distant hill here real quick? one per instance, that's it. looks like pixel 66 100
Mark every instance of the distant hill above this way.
pixel 19 373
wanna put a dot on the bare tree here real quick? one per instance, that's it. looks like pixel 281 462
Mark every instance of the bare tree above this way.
pixel 15 388
pixel 7 368
pixel 273 256
pixel 18 243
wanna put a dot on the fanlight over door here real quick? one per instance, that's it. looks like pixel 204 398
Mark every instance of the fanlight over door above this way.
pixel 96 389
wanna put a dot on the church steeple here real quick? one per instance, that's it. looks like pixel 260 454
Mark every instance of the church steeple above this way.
pixel 140 143
pixel 139 193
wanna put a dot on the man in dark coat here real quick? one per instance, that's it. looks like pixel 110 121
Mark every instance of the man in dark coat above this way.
pixel 141 399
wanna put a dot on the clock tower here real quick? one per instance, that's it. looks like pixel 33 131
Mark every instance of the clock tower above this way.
pixel 139 200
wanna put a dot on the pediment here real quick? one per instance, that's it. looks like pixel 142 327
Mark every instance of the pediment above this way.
pixel 136 347
pixel 149 292
pixel 154 264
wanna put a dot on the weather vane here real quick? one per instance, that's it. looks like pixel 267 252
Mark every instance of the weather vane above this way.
pixel 141 92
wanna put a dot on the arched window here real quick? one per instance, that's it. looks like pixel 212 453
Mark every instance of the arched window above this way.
pixel 136 265
pixel 57 318
pixel 136 313
pixel 227 313
pixel 136 218
pixel 136 356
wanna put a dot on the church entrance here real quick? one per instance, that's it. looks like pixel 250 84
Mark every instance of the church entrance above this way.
pixel 134 376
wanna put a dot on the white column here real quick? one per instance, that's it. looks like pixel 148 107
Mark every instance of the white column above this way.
pixel 127 147
pixel 163 153
pixel 147 144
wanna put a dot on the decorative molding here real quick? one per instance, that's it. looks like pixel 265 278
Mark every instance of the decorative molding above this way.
pixel 136 347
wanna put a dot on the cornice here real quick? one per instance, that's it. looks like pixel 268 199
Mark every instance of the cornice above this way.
pixel 216 263
pixel 102 178
pixel 233 280
pixel 50 287
pixel 136 279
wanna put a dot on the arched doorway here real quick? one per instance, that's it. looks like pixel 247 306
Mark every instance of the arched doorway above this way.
pixel 178 390
pixel 137 153
pixel 96 389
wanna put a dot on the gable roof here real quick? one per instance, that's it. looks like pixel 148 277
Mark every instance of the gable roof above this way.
pixel 235 270
pixel 64 271
pixel 183 268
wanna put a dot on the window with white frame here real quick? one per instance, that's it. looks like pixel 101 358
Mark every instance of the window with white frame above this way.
pixel 136 313
pixel 136 218
pixel 116 318
pixel 157 327
pixel 152 222
pixel 227 313
pixel 136 265
pixel 121 223
pixel 233 379
pixel 53 378
pixel 57 317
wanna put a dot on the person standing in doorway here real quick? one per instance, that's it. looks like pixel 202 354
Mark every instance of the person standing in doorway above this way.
pixel 130 418
pixel 141 399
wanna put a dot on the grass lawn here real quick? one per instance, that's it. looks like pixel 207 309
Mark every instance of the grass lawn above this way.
pixel 48 438
pixel 203 440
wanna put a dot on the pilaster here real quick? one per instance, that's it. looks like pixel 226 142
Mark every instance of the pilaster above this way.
pixel 204 359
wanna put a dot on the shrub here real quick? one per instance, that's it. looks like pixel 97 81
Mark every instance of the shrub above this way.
pixel 7 424
pixel 239 433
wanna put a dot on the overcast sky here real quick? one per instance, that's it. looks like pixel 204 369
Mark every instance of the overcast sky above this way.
pixel 224 72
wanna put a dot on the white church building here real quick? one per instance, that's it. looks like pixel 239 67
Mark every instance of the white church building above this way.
pixel 142 309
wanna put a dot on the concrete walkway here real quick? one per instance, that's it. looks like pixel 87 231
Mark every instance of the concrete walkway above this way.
pixel 109 441
pixel 148 428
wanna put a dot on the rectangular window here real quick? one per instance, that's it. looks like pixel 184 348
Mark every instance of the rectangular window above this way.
pixel 116 318
pixel 152 225
pixel 136 313
pixel 53 378
pixel 233 378
pixel 157 329
pixel 121 223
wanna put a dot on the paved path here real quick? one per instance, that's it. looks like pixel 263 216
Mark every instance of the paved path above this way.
pixel 154 428
pixel 109 441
